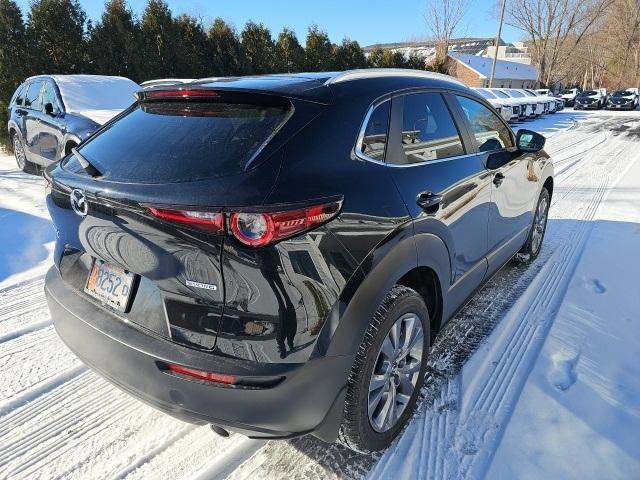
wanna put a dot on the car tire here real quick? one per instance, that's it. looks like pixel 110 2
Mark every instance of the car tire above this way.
pixel 533 245
pixel 21 156
pixel 366 430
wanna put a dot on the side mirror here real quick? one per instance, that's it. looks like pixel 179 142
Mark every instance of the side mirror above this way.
pixel 529 141
pixel 48 108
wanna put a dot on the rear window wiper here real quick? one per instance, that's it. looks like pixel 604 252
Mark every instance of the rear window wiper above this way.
pixel 86 164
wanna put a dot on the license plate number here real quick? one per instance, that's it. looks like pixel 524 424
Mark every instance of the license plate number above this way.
pixel 110 284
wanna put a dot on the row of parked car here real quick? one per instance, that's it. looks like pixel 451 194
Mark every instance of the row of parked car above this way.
pixel 515 104
pixel 599 98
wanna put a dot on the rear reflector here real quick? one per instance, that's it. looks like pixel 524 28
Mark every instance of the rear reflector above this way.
pixel 202 375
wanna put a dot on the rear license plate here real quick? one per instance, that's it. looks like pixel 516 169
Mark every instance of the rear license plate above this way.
pixel 110 284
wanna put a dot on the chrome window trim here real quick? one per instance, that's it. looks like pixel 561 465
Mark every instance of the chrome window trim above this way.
pixel 357 150
pixel 365 158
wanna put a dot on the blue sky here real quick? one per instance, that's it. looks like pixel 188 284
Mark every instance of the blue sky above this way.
pixel 367 21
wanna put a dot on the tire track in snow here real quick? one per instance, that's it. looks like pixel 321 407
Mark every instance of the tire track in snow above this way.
pixel 84 428
pixel 23 309
pixel 32 359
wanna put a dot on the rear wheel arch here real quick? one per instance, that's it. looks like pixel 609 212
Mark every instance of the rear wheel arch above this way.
pixel 548 184
pixel 420 262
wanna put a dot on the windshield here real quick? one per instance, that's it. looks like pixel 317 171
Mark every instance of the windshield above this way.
pixel 515 93
pixel 568 92
pixel 81 93
pixel 486 93
pixel 622 93
pixel 165 142
pixel 500 94
pixel 588 93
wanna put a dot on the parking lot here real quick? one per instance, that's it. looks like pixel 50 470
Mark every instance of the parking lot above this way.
pixel 540 368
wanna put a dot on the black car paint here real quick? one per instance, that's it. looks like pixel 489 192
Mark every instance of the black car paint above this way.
pixel 48 137
pixel 265 320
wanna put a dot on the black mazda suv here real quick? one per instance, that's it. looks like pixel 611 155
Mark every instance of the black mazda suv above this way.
pixel 273 255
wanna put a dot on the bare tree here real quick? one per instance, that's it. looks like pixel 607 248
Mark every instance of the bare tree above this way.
pixel 554 28
pixel 443 18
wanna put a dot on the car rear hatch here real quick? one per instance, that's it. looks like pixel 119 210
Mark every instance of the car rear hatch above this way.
pixel 123 202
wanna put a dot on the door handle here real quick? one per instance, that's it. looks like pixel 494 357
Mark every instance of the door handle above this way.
pixel 429 202
pixel 498 178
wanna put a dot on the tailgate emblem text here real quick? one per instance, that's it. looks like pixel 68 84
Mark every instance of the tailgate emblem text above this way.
pixel 206 286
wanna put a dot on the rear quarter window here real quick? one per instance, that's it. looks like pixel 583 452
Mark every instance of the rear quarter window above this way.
pixel 165 142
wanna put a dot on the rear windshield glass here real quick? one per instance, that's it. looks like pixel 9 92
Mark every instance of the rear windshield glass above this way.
pixel 164 142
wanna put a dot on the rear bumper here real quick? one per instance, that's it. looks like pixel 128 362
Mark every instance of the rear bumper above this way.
pixel 307 399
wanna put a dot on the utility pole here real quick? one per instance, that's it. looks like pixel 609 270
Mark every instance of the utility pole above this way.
pixel 495 48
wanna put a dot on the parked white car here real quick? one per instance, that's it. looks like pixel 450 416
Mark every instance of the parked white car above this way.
pixel 509 109
pixel 569 95
pixel 518 106
pixel 534 108
pixel 550 101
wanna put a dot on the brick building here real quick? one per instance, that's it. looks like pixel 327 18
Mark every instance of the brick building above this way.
pixel 475 71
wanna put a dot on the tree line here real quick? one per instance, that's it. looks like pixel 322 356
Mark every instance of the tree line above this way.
pixel 57 37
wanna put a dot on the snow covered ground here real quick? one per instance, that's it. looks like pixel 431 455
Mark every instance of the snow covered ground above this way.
pixel 537 377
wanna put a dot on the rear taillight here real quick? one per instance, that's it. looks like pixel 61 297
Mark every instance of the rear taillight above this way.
pixel 258 229
pixel 255 229
pixel 210 221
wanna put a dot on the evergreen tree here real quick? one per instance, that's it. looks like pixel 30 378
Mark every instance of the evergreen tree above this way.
pixel 375 57
pixel 288 52
pixel 12 57
pixel 226 58
pixel 318 50
pixel 257 48
pixel 113 47
pixel 416 62
pixel 387 59
pixel 194 48
pixel 159 41
pixel 55 34
pixel 348 55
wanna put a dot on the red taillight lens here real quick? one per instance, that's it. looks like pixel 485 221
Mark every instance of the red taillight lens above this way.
pixel 202 375
pixel 255 229
pixel 183 93
pixel 210 221
pixel 260 229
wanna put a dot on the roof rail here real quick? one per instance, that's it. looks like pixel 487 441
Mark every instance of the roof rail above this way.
pixel 358 74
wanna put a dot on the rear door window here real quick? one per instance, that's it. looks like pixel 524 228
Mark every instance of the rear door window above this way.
pixel 164 142
pixel 32 99
pixel 374 139
pixel 18 96
pixel 49 96
pixel 428 130
pixel 488 130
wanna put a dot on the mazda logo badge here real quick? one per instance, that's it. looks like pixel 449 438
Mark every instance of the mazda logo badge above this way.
pixel 79 202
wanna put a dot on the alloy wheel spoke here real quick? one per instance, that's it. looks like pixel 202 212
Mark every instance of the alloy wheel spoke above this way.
pixel 377 382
